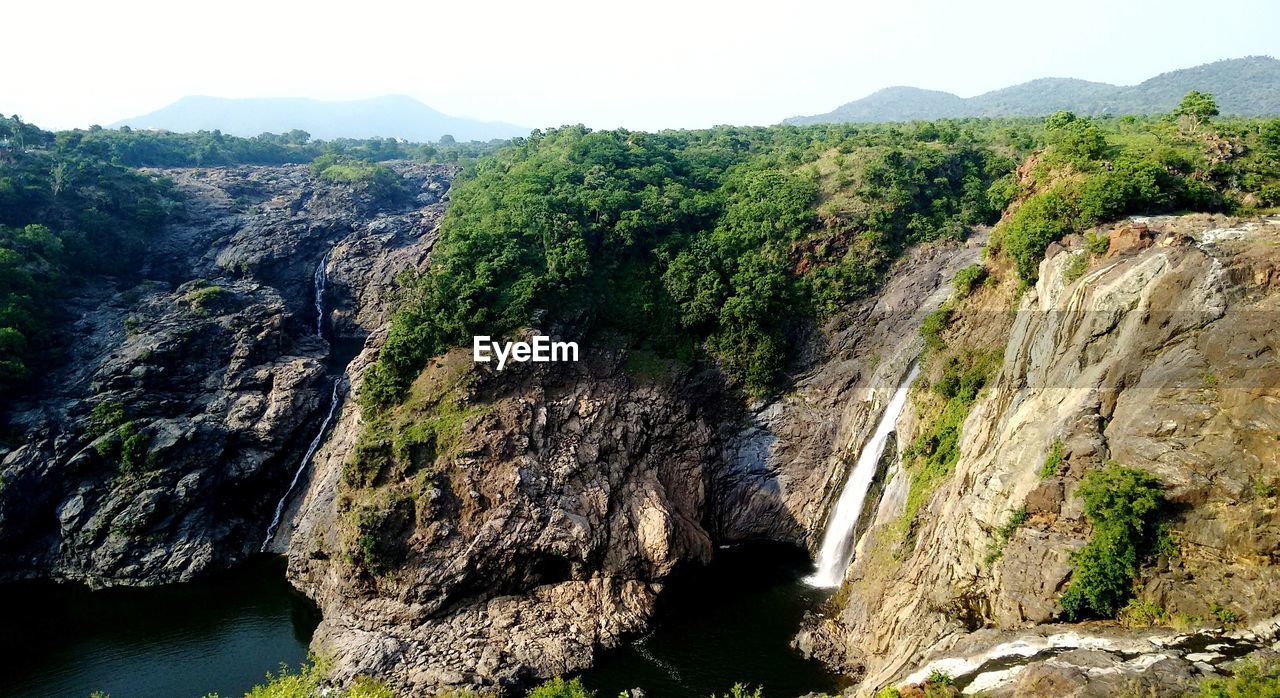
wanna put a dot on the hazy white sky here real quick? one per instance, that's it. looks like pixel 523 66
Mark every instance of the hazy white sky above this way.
pixel 643 65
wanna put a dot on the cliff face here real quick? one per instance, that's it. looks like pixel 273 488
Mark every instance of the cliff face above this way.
pixel 567 495
pixel 1162 357
pixel 159 448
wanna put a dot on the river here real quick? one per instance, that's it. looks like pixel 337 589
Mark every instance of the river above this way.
pixel 221 634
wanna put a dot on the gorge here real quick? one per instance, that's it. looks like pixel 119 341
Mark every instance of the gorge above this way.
pixel 854 344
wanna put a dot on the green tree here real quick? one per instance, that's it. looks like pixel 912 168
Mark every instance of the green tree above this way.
pixel 1196 109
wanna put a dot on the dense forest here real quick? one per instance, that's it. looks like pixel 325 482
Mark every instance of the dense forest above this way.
pixel 723 245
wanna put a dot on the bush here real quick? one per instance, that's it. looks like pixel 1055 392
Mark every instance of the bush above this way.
pixel 1249 679
pixel 1016 518
pixel 309 682
pixel 968 279
pixel 1123 505
pixel 739 690
pixel 559 688
pixel 1075 267
pixel 1057 451
pixel 1097 243
pixel 934 324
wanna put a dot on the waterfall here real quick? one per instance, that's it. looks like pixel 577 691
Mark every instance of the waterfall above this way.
pixel 320 280
pixel 311 452
pixel 837 543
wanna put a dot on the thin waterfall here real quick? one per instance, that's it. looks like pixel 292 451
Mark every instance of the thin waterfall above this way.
pixel 311 452
pixel 319 279
pixel 837 543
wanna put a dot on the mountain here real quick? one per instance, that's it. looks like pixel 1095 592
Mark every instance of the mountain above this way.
pixel 1243 86
pixel 392 116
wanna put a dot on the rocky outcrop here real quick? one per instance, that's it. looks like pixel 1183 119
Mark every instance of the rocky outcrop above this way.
pixel 158 448
pixel 1161 357
pixel 573 493
pixel 541 535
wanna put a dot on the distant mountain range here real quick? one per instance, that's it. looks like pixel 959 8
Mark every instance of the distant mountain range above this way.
pixel 1243 86
pixel 387 117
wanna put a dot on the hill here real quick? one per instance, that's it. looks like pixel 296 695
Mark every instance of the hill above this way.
pixel 1242 86
pixel 391 116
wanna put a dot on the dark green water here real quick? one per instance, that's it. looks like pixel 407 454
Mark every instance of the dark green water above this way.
pixel 219 635
pixel 730 623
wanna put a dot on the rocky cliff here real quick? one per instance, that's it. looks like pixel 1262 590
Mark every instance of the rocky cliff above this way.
pixel 542 517
pixel 160 446
pixel 1160 355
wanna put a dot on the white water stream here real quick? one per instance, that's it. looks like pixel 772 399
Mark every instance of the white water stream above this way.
pixel 320 279
pixel 838 541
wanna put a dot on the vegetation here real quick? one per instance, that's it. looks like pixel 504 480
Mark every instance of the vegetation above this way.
pixel 933 454
pixel 1017 517
pixel 64 214
pixel 692 244
pixel 1249 679
pixel 1076 266
pixel 378 180
pixel 1052 461
pixel 119 439
pixel 967 280
pixel 73 206
pixel 147 148
pixel 309 682
pixel 559 688
pixel 1122 504
pixel 1096 170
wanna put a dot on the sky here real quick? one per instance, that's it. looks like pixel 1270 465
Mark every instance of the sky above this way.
pixel 641 65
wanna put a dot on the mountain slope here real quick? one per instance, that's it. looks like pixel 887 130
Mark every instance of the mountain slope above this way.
pixel 391 116
pixel 1244 86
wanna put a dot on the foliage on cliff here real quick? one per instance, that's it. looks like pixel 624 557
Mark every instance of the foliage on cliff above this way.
pixel 63 215
pixel 1123 504
pixel 1097 170
pixel 712 243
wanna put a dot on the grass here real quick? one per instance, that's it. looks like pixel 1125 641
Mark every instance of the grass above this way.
pixel 1075 267
pixel 1017 517
pixel 932 455
pixel 1052 461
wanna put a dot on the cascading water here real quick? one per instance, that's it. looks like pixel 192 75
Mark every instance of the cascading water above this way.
pixel 319 279
pixel 838 541
pixel 311 451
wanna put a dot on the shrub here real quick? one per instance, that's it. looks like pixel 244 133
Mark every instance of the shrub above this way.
pixel 1054 459
pixel 559 688
pixel 934 324
pixel 742 691
pixel 1225 615
pixel 968 279
pixel 204 296
pixel 1097 243
pixel 939 678
pixel 1075 267
pixel 1249 679
pixel 106 417
pixel 378 180
pixel 1139 613
pixel 1016 518
pixel 135 448
pixel 1030 229
pixel 1123 505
